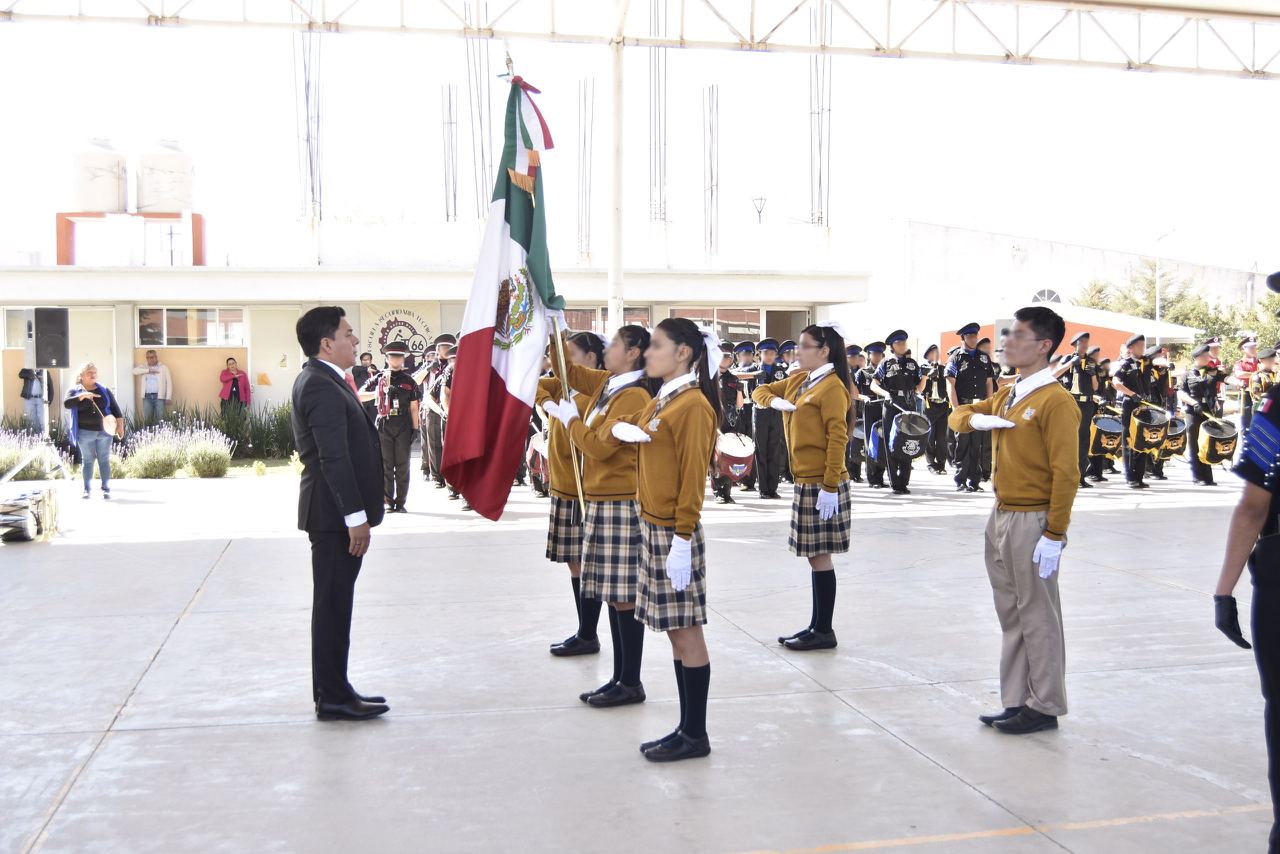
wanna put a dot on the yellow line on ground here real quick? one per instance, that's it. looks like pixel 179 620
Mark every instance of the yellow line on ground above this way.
pixel 1024 830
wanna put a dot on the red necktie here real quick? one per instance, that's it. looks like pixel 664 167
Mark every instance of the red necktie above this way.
pixel 351 384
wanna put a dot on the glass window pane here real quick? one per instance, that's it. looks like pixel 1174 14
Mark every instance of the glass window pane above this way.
pixel 176 325
pixel 580 319
pixel 202 323
pixel 636 315
pixel 697 315
pixel 151 327
pixel 230 328
pixel 738 324
pixel 15 328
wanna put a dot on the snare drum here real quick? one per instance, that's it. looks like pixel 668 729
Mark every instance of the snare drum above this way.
pixel 1217 441
pixel 536 456
pixel 1175 442
pixel 1147 429
pixel 908 436
pixel 1104 437
pixel 735 456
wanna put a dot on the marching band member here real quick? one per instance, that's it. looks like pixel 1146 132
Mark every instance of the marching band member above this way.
pixel 1264 377
pixel 770 443
pixel 898 379
pixel 564 530
pixel 611 528
pixel 936 409
pixel 1131 381
pixel 1199 395
pixel 731 402
pixel 856 449
pixel 818 397
pixel 1079 375
pixel 1243 373
pixel 677 432
pixel 872 409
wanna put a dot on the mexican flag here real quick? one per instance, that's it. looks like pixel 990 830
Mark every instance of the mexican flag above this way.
pixel 505 327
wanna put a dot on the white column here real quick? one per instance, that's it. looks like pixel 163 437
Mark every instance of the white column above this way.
pixel 615 179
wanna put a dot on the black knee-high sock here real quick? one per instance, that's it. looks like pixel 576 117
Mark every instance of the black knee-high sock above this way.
pixel 697 684
pixel 824 590
pixel 615 632
pixel 632 631
pixel 588 618
pixel 813 615
pixel 680 687
pixel 577 595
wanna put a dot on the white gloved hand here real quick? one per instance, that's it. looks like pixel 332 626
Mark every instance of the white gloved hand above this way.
pixel 551 409
pixel 828 503
pixel 1047 554
pixel 782 405
pixel 989 422
pixel 624 432
pixel 680 563
pixel 566 412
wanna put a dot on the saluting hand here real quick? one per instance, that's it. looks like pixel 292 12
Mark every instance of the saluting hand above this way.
pixel 989 422
pixel 629 433
pixel 782 405
pixel 1227 619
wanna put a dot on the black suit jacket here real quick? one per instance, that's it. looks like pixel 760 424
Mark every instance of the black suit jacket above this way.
pixel 339 449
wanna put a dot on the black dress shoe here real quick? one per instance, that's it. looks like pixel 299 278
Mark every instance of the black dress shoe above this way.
pixel 1137 484
pixel 453 496
pixel 1208 483
pixel 812 640
pixel 352 710
pixel 588 694
pixel 576 646
pixel 1097 478
pixel 439 484
pixel 1084 484
pixel 960 487
pixel 1026 721
pixel 901 490
pixel 856 478
pixel 678 748
pixel 671 736
pixel 373 699
pixel 799 634
pixel 1159 477
pixel 617 695
pixel 1009 712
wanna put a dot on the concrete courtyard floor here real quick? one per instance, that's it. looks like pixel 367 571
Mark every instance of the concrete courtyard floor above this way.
pixel 155 679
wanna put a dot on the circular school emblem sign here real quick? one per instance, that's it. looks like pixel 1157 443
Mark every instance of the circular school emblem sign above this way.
pixel 515 310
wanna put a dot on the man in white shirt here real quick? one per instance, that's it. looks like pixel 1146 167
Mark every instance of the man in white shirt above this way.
pixel 155 387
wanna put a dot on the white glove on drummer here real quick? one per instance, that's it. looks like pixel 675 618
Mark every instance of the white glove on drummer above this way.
pixel 782 405
pixel 1047 554
pixel 989 422
pixel 630 433
pixel 680 563
pixel 566 411
pixel 828 503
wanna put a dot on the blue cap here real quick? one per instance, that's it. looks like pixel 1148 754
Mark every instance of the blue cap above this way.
pixel 982 341
pixel 1079 335
pixel 1134 340
pixel 968 329
pixel 853 350
pixel 1201 350
pixel 931 348
pixel 745 347
pixel 895 336
pixel 767 344
pixel 786 345
pixel 875 347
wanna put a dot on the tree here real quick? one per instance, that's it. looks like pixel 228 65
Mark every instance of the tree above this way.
pixel 1096 294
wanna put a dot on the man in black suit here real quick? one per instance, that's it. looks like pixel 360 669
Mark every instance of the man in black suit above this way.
pixel 340 501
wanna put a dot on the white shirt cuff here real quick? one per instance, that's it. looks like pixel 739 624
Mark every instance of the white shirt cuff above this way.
pixel 355 519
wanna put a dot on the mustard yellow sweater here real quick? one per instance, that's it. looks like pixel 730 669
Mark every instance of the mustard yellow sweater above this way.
pixel 610 469
pixel 559 460
pixel 817 431
pixel 1035 464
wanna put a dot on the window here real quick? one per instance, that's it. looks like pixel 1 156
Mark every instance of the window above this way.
pixel 731 324
pixel 580 319
pixel 191 327
pixel 15 328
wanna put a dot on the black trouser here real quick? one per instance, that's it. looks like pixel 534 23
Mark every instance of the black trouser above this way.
pixel 745 427
pixel 1246 412
pixel 872 413
pixel 770 450
pixel 972 449
pixel 854 450
pixel 1135 462
pixel 1266 652
pixel 1199 470
pixel 1087 410
pixel 899 468
pixel 434 447
pixel 333 586
pixel 936 450
pixel 396 436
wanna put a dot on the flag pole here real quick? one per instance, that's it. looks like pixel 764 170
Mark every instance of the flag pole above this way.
pixel 563 373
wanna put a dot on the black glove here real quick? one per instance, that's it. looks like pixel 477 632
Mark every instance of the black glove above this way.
pixel 1227 619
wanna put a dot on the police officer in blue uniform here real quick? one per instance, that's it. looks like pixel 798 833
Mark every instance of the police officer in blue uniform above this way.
pixel 746 370
pixel 1199 395
pixel 731 397
pixel 900 380
pixel 770 442
pixel 855 448
pixel 396 396
pixel 787 353
pixel 1254 537
pixel 1131 381
pixel 1078 374
pixel 872 410
pixel 936 408
pixel 970 378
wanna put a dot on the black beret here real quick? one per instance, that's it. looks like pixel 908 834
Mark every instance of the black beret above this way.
pixel 1078 336
pixel 968 329
pixel 1201 350
pixel 1266 352
pixel 1135 339
pixel 446 338
pixel 396 348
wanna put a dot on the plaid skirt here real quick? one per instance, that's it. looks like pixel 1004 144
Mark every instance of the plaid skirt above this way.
pixel 658 605
pixel 564 531
pixel 611 551
pixel 810 536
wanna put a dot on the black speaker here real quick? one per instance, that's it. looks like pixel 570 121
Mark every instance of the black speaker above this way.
pixel 51 339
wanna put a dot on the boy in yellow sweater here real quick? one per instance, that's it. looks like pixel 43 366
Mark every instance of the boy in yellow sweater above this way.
pixel 1035 474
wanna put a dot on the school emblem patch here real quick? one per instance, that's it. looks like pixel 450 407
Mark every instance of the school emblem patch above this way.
pixel 1026 416
pixel 515 310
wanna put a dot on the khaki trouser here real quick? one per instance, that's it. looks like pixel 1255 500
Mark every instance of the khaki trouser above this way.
pixel 1033 659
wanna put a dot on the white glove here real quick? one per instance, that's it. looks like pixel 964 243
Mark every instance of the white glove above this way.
pixel 566 412
pixel 782 405
pixel 828 503
pixel 624 432
pixel 551 408
pixel 989 422
pixel 680 563
pixel 1047 554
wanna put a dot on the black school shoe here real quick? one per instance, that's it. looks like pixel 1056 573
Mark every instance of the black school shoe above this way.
pixel 1009 712
pixel 576 646
pixel 649 745
pixel 586 695
pixel 679 748
pixel 617 695
pixel 1025 722
pixel 811 641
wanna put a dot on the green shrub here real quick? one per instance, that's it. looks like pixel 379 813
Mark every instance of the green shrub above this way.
pixel 16 445
pixel 208 453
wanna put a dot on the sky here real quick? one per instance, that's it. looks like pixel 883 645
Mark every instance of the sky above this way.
pixel 1098 157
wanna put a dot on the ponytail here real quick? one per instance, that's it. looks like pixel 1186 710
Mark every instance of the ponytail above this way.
pixel 637 336
pixel 589 342
pixel 682 330
pixel 830 337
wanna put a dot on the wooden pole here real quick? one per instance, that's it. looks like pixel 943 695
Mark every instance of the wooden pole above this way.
pixel 559 363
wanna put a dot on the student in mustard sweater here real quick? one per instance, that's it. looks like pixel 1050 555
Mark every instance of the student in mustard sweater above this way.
pixel 676 433
pixel 611 529
pixel 564 527
pixel 1035 473
pixel 817 400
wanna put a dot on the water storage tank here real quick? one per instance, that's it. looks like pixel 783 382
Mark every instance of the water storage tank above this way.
pixel 166 178
pixel 100 180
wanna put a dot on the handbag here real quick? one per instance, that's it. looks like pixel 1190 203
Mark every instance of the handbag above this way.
pixel 109 422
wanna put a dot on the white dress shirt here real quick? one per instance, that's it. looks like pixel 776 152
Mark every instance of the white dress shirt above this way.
pixel 1023 386
pixel 691 377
